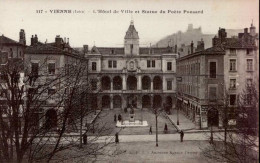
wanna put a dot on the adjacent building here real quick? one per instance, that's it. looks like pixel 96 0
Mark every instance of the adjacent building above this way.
pixel 47 62
pixel 206 76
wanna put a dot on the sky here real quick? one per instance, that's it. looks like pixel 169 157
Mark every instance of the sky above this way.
pixel 108 29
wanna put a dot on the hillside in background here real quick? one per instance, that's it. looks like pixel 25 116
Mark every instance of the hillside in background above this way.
pixel 192 34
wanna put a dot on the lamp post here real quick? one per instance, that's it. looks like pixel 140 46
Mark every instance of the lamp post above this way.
pixel 178 116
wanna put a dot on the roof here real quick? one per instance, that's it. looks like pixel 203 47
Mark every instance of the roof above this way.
pixel 239 43
pixel 8 41
pixel 245 40
pixel 155 50
pixel 40 48
pixel 131 33
pixel 107 50
pixel 120 50
pixel 215 50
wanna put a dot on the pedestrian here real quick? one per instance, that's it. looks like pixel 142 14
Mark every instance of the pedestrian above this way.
pixel 150 132
pixel 116 138
pixel 115 118
pixel 182 135
pixel 85 138
pixel 119 117
pixel 165 128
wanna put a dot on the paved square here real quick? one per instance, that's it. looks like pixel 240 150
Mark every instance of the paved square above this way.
pixel 106 118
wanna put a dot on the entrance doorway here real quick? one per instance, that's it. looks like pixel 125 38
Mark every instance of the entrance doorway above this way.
pixel 213 117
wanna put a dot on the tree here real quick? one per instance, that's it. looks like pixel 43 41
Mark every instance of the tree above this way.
pixel 238 143
pixel 26 129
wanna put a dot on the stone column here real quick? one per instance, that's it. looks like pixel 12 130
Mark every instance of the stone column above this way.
pixel 123 101
pixel 139 83
pixel 151 85
pixel 197 121
pixel 220 120
pixel 111 101
pixel 124 82
pixel 111 85
pixel 139 101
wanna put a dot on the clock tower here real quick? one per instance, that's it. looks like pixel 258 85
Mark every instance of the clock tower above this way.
pixel 131 41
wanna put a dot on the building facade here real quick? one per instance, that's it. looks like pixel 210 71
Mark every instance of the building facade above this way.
pixel 132 75
pixel 51 63
pixel 200 86
pixel 205 77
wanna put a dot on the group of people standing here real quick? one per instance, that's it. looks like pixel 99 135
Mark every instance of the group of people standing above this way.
pixel 119 118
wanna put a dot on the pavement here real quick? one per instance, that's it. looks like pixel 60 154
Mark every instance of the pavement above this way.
pixel 131 138
pixel 184 123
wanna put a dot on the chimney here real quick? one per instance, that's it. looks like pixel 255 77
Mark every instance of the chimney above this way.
pixel 200 45
pixel 191 47
pixel 245 30
pixel 58 41
pixel 85 47
pixel 22 39
pixel 252 30
pixel 35 39
pixel 32 41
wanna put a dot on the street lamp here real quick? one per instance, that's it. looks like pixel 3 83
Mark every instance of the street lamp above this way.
pixel 178 113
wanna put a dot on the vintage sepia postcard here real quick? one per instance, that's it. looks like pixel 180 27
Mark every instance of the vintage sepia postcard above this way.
pixel 129 81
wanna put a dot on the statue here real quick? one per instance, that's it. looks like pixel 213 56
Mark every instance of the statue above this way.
pixel 131 114
pixel 132 110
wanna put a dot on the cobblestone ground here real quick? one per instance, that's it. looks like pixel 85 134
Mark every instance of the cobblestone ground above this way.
pixel 107 119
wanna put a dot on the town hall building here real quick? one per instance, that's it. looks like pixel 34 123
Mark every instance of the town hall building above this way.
pixel 131 76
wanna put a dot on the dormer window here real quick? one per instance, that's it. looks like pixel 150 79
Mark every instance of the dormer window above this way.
pixel 112 51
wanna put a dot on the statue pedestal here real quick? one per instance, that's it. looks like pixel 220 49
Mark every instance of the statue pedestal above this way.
pixel 131 117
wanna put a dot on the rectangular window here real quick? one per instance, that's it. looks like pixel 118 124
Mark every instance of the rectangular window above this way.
pixel 3 93
pixel 249 64
pixel 212 93
pixel 249 51
pixel 148 63
pixel 109 64
pixel 131 47
pixel 213 69
pixel 94 85
pixel 3 57
pixel 169 66
pixel 153 63
pixel 35 69
pixel 249 82
pixel 232 65
pixel 114 64
pixel 51 68
pixel 232 99
pixel 94 66
pixel 248 99
pixel 232 84
pixel 232 51
pixel 169 85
